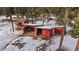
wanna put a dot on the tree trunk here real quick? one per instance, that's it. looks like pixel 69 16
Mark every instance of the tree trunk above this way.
pixel 65 23
pixel 43 21
pixel 43 18
pixel 77 46
pixel 4 11
pixel 78 15
pixel 12 22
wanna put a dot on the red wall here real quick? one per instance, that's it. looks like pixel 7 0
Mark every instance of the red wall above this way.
pixel 47 32
pixel 58 30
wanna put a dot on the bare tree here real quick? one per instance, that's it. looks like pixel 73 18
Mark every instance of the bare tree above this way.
pixel 65 23
pixel 11 21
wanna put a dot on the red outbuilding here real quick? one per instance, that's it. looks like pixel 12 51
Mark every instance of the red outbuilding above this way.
pixel 46 31
pixel 58 29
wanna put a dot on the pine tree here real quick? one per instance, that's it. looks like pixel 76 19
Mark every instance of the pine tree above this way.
pixel 75 31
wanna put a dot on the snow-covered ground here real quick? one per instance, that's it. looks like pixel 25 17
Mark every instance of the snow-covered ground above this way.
pixel 6 33
pixel 68 28
pixel 31 44
pixel 6 26
pixel 69 42
pixel 2 17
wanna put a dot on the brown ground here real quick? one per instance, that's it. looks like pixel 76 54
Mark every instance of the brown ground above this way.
pixel 77 47
pixel 32 34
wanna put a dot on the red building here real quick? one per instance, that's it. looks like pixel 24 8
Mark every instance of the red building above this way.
pixel 58 29
pixel 46 31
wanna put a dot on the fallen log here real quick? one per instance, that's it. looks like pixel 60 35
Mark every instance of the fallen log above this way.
pixel 10 42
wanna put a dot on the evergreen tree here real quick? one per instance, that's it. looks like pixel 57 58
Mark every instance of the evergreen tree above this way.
pixel 75 31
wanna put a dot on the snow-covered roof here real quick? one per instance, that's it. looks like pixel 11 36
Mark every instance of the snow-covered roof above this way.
pixel 33 24
pixel 46 26
pixel 49 26
pixel 53 17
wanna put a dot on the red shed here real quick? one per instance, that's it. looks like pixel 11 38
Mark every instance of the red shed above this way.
pixel 46 31
pixel 30 27
pixel 58 29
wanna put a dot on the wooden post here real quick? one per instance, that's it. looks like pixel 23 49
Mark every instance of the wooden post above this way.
pixel 35 33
